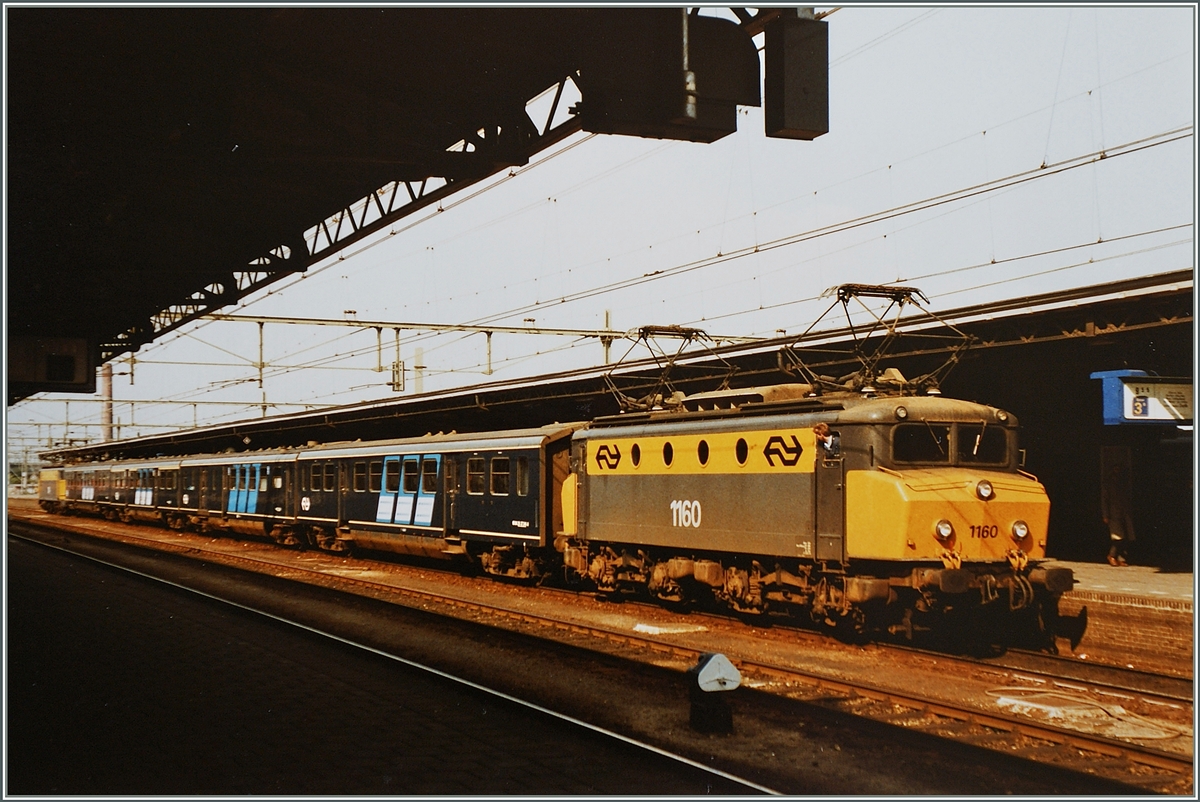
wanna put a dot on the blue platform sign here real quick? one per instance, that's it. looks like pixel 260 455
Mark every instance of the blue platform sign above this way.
pixel 1134 396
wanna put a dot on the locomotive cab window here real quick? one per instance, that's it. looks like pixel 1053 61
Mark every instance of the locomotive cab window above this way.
pixel 982 444
pixel 921 442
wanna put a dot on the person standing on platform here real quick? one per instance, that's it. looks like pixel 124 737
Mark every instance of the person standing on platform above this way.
pixel 1115 506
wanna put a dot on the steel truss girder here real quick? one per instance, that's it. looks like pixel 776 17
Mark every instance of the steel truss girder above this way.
pixel 483 153
pixel 494 146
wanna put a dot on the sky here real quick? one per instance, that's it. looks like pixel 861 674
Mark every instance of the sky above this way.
pixel 976 153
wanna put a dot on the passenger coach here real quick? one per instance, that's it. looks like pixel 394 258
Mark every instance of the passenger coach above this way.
pixel 488 496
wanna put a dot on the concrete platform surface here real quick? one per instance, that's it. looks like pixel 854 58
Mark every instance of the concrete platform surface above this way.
pixel 1138 581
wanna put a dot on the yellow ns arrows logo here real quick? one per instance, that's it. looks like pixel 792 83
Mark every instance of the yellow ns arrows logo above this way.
pixel 778 448
pixel 608 456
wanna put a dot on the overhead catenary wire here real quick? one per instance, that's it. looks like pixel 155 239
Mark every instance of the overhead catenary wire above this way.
pixel 966 268
pixel 1007 181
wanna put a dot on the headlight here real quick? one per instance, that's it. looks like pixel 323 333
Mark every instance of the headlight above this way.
pixel 943 530
pixel 901 413
pixel 985 490
pixel 1020 531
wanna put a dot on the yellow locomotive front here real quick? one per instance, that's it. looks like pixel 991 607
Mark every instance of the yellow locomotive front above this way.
pixel 52 489
pixel 941 507
pixel 944 484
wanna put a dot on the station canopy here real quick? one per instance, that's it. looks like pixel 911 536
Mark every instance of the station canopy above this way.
pixel 165 162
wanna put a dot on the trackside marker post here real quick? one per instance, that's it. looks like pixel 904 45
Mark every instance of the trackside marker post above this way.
pixel 707 680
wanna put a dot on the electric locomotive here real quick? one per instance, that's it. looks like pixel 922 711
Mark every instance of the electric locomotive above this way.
pixel 914 507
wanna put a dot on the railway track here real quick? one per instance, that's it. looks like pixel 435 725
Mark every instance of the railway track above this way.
pixel 1146 767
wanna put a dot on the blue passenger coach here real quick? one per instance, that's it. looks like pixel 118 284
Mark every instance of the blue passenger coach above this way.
pixel 488 497
pixel 484 496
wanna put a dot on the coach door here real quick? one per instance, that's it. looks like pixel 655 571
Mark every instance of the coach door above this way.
pixel 451 508
pixel 831 505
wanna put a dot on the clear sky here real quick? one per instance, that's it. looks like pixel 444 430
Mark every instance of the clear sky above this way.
pixel 962 159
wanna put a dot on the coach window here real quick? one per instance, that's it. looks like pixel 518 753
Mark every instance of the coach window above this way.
pixel 360 477
pixel 376 476
pixel 475 471
pixel 262 481
pixel 522 476
pixel 330 476
pixel 412 480
pixel 392 480
pixel 429 468
pixel 500 474
pixel 317 473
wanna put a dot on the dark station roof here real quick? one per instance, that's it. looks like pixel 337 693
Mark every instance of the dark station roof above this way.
pixel 158 156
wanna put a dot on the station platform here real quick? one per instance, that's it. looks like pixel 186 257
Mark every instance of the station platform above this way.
pixel 1137 615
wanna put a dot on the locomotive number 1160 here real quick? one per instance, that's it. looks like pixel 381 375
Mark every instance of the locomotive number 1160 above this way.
pixel 685 513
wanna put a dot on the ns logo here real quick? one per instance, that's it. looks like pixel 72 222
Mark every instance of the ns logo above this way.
pixel 779 449
pixel 608 456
